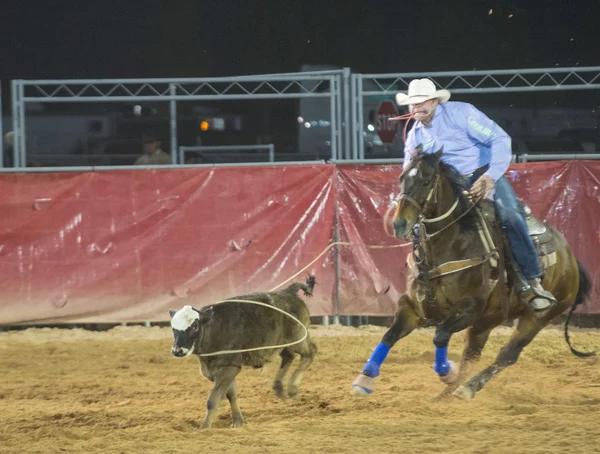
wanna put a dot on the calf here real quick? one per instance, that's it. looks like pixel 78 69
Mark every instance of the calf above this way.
pixel 239 326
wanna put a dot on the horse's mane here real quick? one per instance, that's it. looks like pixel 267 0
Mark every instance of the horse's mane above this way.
pixel 459 185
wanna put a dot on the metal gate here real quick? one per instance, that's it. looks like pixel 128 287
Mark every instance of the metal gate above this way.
pixel 463 82
pixel 316 84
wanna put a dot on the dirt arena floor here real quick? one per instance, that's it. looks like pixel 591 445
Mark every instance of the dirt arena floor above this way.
pixel 122 391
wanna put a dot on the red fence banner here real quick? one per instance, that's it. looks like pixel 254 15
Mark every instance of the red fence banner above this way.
pixel 566 194
pixel 116 246
pixel 126 246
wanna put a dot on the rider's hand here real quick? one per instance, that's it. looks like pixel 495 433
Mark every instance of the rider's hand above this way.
pixel 481 187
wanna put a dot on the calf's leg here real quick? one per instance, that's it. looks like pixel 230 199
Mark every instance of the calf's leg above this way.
pixel 307 355
pixel 237 420
pixel 224 380
pixel 287 357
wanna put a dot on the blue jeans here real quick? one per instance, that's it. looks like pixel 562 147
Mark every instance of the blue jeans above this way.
pixel 512 220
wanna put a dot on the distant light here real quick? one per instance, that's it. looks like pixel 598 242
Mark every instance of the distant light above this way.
pixel 307 125
pixel 300 120
pixel 490 12
pixel 137 110
pixel 572 39
pixel 510 15
pixel 204 125
pixel 371 128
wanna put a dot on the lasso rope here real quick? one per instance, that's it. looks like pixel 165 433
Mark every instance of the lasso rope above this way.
pixel 230 352
pixel 341 243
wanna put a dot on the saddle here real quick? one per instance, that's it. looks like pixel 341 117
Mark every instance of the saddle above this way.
pixel 539 232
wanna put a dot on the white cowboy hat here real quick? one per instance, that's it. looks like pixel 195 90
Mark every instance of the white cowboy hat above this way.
pixel 421 90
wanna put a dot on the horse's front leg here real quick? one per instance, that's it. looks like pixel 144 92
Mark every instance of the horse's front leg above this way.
pixel 476 338
pixel 474 344
pixel 405 322
pixel 461 319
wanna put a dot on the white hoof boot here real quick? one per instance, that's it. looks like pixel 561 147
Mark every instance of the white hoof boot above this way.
pixel 363 386
pixel 451 376
pixel 464 393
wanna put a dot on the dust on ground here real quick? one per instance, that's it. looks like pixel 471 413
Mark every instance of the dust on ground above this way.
pixel 72 390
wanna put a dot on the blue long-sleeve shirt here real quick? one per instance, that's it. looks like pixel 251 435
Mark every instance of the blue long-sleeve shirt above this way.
pixel 469 139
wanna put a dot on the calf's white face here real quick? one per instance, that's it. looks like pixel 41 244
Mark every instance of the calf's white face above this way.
pixel 185 324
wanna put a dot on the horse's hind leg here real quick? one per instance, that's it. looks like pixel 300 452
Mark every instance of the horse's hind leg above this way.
pixel 307 355
pixel 406 321
pixel 287 357
pixel 529 326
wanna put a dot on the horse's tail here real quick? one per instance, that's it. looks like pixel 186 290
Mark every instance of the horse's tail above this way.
pixel 585 286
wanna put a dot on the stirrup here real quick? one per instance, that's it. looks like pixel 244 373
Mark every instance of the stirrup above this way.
pixel 535 296
pixel 538 290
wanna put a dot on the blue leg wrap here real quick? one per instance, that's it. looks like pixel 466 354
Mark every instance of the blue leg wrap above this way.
pixel 372 366
pixel 441 366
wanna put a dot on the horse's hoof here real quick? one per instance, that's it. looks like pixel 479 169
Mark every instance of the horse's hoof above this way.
pixel 464 393
pixel 363 386
pixel 452 375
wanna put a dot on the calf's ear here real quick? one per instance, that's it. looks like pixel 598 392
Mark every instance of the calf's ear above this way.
pixel 205 314
pixel 171 312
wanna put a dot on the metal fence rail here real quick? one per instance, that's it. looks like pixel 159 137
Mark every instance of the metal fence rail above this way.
pixel 526 157
pixel 154 167
pixel 315 84
pixel 465 82
pixel 270 148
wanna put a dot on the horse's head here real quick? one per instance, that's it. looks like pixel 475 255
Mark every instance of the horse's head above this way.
pixel 417 185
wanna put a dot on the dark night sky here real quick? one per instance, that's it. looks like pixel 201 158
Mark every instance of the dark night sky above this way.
pixel 83 39
pixel 185 38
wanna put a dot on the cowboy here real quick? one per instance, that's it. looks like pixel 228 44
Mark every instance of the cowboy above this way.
pixel 470 141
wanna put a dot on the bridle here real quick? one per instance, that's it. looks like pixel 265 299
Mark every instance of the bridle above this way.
pixel 421 209
pixel 421 259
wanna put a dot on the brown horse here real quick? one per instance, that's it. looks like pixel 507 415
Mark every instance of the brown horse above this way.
pixel 458 279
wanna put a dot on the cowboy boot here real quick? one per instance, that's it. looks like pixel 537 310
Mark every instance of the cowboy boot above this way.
pixel 541 301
